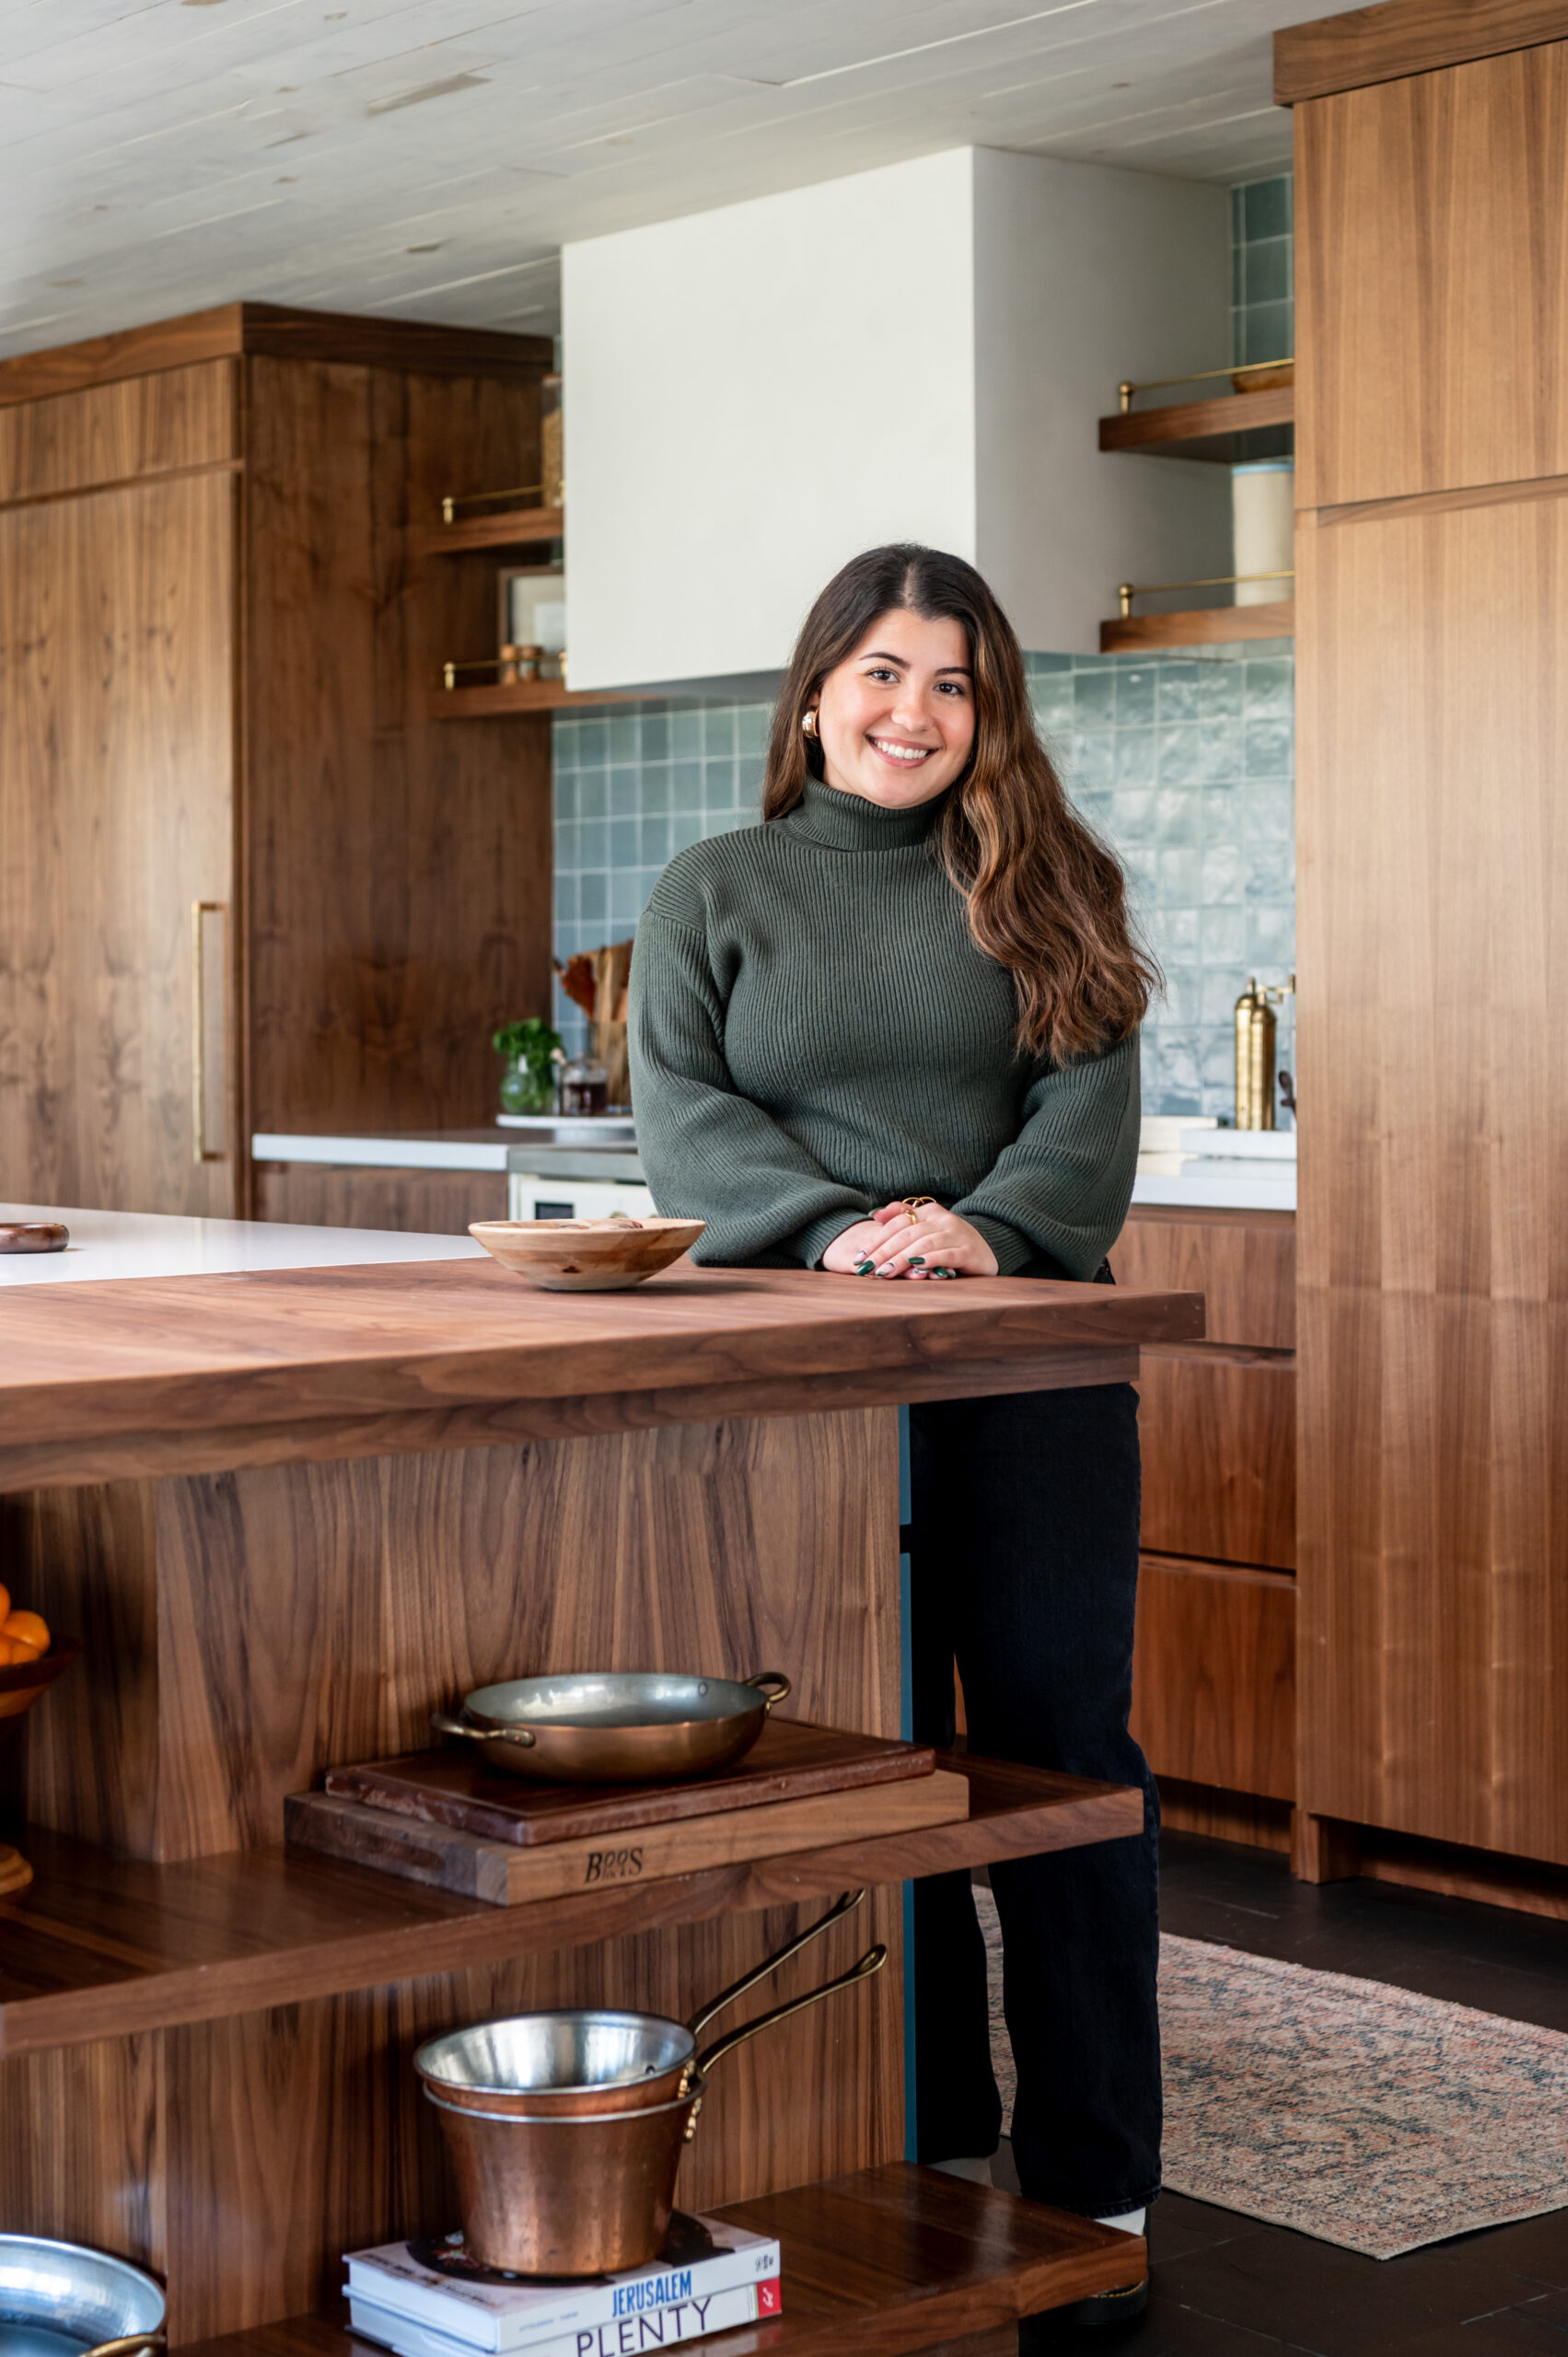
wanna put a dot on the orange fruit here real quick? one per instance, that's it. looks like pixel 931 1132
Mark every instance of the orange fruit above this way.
pixel 8 1652
pixel 28 1629
pixel 4 1605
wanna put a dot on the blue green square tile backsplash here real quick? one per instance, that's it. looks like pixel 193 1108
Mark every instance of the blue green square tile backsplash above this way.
pixel 1183 761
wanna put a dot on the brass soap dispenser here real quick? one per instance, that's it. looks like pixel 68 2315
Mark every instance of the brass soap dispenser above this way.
pixel 1257 1028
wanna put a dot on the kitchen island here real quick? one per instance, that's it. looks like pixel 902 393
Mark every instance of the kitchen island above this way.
pixel 291 1510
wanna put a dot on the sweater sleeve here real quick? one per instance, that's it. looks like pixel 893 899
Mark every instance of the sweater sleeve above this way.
pixel 708 1152
pixel 1063 1185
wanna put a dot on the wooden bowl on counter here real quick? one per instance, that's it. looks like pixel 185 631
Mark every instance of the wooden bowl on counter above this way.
pixel 585 1256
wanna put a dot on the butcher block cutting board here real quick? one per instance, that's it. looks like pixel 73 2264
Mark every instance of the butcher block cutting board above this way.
pixel 510 1874
pixel 790 1760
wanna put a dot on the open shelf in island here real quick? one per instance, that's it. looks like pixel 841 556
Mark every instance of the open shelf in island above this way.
pixel 1220 429
pixel 1199 626
pixel 105 1946
pixel 877 2263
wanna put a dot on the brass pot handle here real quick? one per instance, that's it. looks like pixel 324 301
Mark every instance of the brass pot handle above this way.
pixel 444 1724
pixel 770 1677
pixel 870 1963
pixel 842 1905
pixel 134 2344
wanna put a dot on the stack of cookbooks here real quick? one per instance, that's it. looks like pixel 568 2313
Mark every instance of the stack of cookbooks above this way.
pixel 430 2299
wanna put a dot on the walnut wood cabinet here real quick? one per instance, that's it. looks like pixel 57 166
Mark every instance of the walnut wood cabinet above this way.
pixel 249 882
pixel 1214 1665
pixel 1431 424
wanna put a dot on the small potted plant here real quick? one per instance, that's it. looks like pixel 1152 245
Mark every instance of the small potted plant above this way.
pixel 531 1050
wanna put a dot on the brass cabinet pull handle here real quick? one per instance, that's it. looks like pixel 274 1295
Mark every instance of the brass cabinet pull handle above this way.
pixel 199 1148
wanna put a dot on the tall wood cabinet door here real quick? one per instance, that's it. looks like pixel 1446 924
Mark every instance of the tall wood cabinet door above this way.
pixel 1433 1250
pixel 117 626
pixel 1432 281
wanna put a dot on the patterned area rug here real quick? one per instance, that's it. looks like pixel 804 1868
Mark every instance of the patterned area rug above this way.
pixel 1364 2115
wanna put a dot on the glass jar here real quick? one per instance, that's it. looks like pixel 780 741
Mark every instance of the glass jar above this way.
pixel 585 1085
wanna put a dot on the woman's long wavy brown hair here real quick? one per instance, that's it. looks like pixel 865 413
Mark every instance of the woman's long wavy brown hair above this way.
pixel 1046 899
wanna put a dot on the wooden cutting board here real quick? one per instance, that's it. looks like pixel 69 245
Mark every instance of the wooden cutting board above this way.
pixel 790 1760
pixel 507 1875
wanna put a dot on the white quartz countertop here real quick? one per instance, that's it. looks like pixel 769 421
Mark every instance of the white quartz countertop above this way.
pixel 1218 1186
pixel 1225 1174
pixel 400 1150
pixel 147 1244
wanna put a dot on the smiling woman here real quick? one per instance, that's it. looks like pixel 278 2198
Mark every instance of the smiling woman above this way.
pixel 893 1032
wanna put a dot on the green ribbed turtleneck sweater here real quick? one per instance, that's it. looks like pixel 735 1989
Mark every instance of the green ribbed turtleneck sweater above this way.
pixel 814 1032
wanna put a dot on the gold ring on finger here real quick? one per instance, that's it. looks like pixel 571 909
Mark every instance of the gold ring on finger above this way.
pixel 913 1205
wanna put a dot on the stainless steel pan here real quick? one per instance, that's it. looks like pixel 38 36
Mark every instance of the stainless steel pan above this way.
pixel 59 2297
pixel 616 1726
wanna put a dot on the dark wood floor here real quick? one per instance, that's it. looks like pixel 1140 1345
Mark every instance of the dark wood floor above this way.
pixel 1221 2285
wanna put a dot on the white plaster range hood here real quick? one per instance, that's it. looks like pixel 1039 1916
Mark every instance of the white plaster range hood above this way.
pixel 917 352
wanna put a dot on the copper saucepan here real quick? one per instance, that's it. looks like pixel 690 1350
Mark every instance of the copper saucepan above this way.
pixel 592 2061
pixel 616 1726
pixel 550 2190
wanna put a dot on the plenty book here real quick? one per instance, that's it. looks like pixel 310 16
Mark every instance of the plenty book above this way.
pixel 430 2299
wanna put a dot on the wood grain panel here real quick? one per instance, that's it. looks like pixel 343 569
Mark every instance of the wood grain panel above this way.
pixel 1434 1263
pixel 420 1203
pixel 1432 282
pixel 1242 1263
pixel 879 2262
pixel 1214 1675
pixel 400 875
pixel 117 753
pixel 148 425
pixel 86 1760
pixel 1402 37
pixel 315 1615
pixel 189 1355
pixel 299 2134
pixel 104 1944
pixel 319 1440
pixel 233 327
pixel 1218 1432
pixel 82 2147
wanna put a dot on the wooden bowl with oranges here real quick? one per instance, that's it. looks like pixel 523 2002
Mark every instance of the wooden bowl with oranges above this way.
pixel 30 1659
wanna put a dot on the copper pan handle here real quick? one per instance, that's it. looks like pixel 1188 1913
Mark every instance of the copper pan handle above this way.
pixel 444 1724
pixel 134 2344
pixel 835 1914
pixel 870 1963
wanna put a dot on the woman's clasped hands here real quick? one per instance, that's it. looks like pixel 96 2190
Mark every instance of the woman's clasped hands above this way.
pixel 933 1242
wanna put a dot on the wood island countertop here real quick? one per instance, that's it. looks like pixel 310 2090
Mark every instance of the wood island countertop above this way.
pixel 192 1374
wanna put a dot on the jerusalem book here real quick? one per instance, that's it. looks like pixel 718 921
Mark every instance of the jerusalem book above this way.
pixel 435 2283
pixel 635 2335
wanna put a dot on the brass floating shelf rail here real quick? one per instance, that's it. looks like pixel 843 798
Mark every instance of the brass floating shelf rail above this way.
pixel 454 500
pixel 1126 591
pixel 1126 389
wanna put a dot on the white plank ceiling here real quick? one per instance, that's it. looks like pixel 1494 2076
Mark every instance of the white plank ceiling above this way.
pixel 426 158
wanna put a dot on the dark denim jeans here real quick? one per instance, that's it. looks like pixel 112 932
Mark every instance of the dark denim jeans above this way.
pixel 1024 1565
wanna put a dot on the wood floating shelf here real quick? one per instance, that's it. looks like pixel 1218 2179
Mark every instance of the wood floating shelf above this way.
pixel 1219 429
pixel 1201 626
pixel 503 528
pixel 875 2264
pixel 498 698
pixel 103 1946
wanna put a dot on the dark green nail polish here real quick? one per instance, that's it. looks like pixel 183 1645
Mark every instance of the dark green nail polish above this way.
pixel 916 1260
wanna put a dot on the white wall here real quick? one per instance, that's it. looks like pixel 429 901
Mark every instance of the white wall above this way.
pixel 1085 274
pixel 752 396
pixel 921 352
